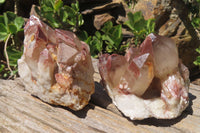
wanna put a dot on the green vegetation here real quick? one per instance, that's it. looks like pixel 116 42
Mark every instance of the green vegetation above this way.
pixel 107 40
pixel 197 61
pixel 139 26
pixel 10 25
pixel 60 16
pixel 194 9
pixel 195 14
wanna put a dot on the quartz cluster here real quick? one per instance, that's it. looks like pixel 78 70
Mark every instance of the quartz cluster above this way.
pixel 56 66
pixel 149 81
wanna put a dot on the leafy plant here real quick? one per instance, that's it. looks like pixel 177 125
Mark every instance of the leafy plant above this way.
pixel 83 35
pixel 196 23
pixel 107 40
pixel 194 9
pixel 197 61
pixel 10 25
pixel 139 26
pixel 59 15
pixel 112 37
pixel 96 44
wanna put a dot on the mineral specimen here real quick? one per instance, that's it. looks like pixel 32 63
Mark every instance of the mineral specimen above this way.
pixel 56 66
pixel 148 81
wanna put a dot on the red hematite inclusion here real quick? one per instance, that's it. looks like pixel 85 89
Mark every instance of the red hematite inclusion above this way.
pixel 148 81
pixel 56 66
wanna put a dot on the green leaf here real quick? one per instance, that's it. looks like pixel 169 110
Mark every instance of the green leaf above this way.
pixel 107 26
pixel 197 61
pixel 135 21
pixel 3 36
pixel 83 35
pixel 63 15
pixel 80 20
pixel 150 25
pixel 130 23
pixel 123 47
pixel 2 1
pixel 19 21
pixel 72 23
pixel 109 50
pixel 2 19
pixel 10 16
pixel 108 40
pixel 3 28
pixel 88 40
pixel 12 22
pixel 51 20
pixel 45 8
pixel 3 32
pixel 198 50
pixel 47 3
pixel 98 34
pixel 13 55
pixel 70 11
pixel 75 6
pixel 58 4
pixel 137 16
pixel 12 28
pixel 115 36
pixel 2 66
pixel 140 25
pixel 116 31
pixel 196 22
pixel 97 44
pixel 5 18
pixel 112 36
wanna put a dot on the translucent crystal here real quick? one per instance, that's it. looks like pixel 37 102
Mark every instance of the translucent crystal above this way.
pixel 148 81
pixel 56 66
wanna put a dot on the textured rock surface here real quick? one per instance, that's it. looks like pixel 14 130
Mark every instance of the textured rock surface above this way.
pixel 99 20
pixel 147 7
pixel 149 81
pixel 56 66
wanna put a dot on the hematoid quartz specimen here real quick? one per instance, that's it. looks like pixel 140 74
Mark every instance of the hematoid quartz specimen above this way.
pixel 148 81
pixel 56 66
